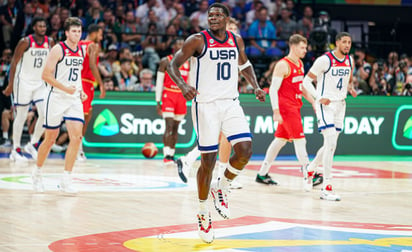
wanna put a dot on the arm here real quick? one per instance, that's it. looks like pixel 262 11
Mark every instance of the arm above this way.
pixel 160 76
pixel 351 90
pixel 247 70
pixel 18 53
pixel 280 71
pixel 307 84
pixel 93 54
pixel 55 55
pixel 193 45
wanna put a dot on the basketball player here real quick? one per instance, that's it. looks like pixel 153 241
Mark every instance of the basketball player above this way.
pixel 286 98
pixel 90 74
pixel 27 85
pixel 173 107
pixel 63 102
pixel 333 73
pixel 213 87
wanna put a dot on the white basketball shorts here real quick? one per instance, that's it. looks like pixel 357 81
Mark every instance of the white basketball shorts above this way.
pixel 59 107
pixel 27 92
pixel 226 116
pixel 331 116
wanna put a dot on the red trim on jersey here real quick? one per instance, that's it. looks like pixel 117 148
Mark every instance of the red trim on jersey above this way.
pixel 212 42
pixel 86 71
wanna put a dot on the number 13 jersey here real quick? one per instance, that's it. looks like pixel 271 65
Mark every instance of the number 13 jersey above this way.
pixel 214 73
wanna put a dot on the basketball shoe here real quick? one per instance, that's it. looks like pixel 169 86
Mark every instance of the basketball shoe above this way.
pixel 32 149
pixel 17 155
pixel 267 180
pixel 307 178
pixel 37 180
pixel 220 200
pixel 168 160
pixel 81 156
pixel 317 178
pixel 205 229
pixel 183 168
pixel 66 185
pixel 328 194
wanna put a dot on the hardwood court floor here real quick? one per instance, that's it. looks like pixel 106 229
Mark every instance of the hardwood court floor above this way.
pixel 121 201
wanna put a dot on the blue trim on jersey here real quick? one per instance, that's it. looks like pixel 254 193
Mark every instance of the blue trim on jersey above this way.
pixel 326 126
pixel 51 127
pixel 47 107
pixel 338 129
pixel 20 104
pixel 241 135
pixel 77 48
pixel 208 148
pixel 64 54
pixel 234 38
pixel 36 101
pixel 197 77
pixel 73 119
pixel 197 121
pixel 218 40
pixel 323 117
pixel 205 49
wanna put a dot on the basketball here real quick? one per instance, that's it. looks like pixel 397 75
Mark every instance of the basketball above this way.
pixel 149 150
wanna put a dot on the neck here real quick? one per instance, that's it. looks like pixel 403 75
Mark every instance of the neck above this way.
pixel 71 45
pixel 220 34
pixel 338 54
pixel 38 38
pixel 293 58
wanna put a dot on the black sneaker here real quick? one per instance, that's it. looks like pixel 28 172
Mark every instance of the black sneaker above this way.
pixel 317 179
pixel 267 180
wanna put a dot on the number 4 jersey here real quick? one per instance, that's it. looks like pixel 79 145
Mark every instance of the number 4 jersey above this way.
pixel 214 73
pixel 333 76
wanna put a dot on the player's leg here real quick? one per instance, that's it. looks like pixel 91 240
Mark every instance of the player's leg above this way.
pixel 302 155
pixel 18 124
pixel 88 89
pixel 225 149
pixel 6 118
pixel 271 153
pixel 33 146
pixel 185 164
pixel 168 149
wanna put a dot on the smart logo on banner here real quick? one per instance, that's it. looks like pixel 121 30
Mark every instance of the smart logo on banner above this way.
pixel 402 128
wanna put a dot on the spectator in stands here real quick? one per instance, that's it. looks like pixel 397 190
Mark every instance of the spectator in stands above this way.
pixel 393 61
pixel 379 80
pixel 362 70
pixel 108 84
pixel 55 28
pixel 305 25
pixel 146 81
pixel 143 10
pixel 290 6
pixel 239 11
pixel 274 8
pixel 251 14
pixel 131 32
pixel 23 24
pixel 152 19
pixel 8 16
pixel 151 42
pixel 262 34
pixel 401 74
pixel 167 12
pixel 201 14
pixel 111 27
pixel 125 53
pixel 171 34
pixel 93 16
pixel 355 84
pixel 125 80
pixel 190 6
pixel 285 26
pixel 5 102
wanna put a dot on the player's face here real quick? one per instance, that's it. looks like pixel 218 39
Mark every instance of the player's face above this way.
pixel 344 45
pixel 217 19
pixel 300 49
pixel 40 28
pixel 99 36
pixel 74 34
pixel 232 27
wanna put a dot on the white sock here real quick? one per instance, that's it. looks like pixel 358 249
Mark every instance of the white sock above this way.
pixel 5 135
pixel 203 209
pixel 222 168
pixel 317 160
pixel 300 150
pixel 38 128
pixel 166 150
pixel 271 153
pixel 329 143
pixel 171 152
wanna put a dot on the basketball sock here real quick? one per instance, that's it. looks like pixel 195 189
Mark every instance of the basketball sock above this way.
pixel 38 129
pixel 203 206
pixel 223 182
pixel 329 143
pixel 5 135
pixel 317 160
pixel 166 151
pixel 271 153
pixel 18 124
pixel 192 155
pixel 171 152
pixel 222 168
pixel 300 150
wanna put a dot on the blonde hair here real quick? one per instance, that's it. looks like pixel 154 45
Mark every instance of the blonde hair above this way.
pixel 295 39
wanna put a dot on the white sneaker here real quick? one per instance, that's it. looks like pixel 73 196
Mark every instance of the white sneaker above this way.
pixel 183 168
pixel 37 180
pixel 57 148
pixel 205 229
pixel 16 155
pixel 328 194
pixel 6 144
pixel 81 156
pixel 220 199
pixel 66 185
pixel 29 148
pixel 235 184
pixel 307 179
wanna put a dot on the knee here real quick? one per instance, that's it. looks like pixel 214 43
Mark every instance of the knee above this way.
pixel 77 139
pixel 244 152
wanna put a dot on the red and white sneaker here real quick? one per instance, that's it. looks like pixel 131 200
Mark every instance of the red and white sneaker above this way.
pixel 307 179
pixel 220 199
pixel 205 229
pixel 328 194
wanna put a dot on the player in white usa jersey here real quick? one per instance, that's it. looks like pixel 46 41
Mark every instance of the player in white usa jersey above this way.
pixel 64 102
pixel 216 57
pixel 333 74
pixel 27 86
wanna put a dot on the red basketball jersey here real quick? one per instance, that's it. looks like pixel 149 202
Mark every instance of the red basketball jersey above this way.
pixel 87 72
pixel 168 83
pixel 290 92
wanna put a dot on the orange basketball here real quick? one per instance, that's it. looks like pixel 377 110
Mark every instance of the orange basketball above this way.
pixel 149 150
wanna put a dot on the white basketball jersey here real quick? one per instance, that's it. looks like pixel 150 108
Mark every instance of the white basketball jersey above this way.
pixel 69 68
pixel 214 73
pixel 333 83
pixel 31 65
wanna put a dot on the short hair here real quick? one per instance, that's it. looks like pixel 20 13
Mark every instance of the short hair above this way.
pixel 221 6
pixel 37 20
pixel 175 40
pixel 145 71
pixel 94 28
pixel 340 35
pixel 233 20
pixel 295 39
pixel 124 60
pixel 72 21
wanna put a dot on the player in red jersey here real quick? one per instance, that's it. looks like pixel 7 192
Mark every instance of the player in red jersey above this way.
pixel 286 98
pixel 90 74
pixel 173 106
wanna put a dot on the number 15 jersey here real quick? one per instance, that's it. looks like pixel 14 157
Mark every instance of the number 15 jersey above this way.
pixel 215 72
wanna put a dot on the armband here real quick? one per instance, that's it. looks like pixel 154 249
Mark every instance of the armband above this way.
pixel 244 66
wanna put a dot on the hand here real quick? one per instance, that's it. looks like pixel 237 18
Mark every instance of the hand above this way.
pixel 353 92
pixel 159 109
pixel 71 89
pixel 83 96
pixel 189 92
pixel 324 101
pixel 102 93
pixel 260 94
pixel 375 67
pixel 8 90
pixel 277 117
